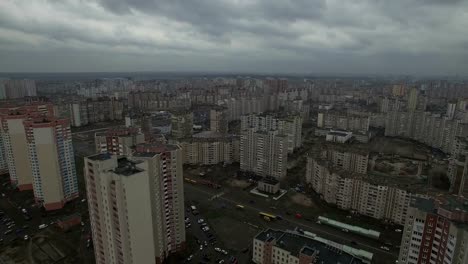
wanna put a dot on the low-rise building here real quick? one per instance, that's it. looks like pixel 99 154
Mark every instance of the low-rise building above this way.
pixel 268 185
pixel 338 136
pixel 279 247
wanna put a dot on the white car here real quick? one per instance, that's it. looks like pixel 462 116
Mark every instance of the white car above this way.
pixel 217 249
pixel 224 252
pixel 190 258
pixel 200 220
pixel 385 248
pixel 43 226
pixel 206 229
pixel 398 230
pixel 201 247
pixel 26 237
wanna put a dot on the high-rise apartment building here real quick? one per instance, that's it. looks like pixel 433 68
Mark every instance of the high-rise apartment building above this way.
pixel 290 126
pixel 413 99
pixel 207 148
pixel 435 231
pixel 218 120
pixel 136 204
pixel 15 141
pixel 264 153
pixel 11 89
pixel 457 170
pixel 50 153
pixel 118 141
pixel 181 124
pixel 343 158
pixel 434 130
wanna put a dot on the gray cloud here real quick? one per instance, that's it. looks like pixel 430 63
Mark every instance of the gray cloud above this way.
pixel 375 36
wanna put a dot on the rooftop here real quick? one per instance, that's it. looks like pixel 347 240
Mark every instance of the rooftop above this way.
pixel 296 244
pixel 126 167
pixel 269 180
pixel 154 148
pixel 101 156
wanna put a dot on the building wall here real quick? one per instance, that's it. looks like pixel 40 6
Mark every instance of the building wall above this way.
pixel 17 150
pixel 210 151
pixel 182 125
pixel 117 144
pixel 343 121
pixel 218 120
pixel 348 193
pixel 433 130
pixel 265 154
pixel 431 238
pixel 143 210
pixel 290 127
pixel 50 152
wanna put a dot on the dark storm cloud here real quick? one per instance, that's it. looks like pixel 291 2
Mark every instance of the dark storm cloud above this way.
pixel 257 35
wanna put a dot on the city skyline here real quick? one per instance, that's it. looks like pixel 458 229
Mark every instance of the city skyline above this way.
pixel 364 37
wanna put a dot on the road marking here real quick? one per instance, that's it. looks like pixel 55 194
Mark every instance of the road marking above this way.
pixel 314 228
pixel 216 196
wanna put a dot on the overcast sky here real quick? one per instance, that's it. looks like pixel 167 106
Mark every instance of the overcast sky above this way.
pixel 303 36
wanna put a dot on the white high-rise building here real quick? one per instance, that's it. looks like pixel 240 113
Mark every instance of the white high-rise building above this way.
pixel 136 204
pixel 290 126
pixel 264 153
pixel 50 152
pixel 15 142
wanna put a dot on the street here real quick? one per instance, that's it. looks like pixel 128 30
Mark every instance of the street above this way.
pixel 250 214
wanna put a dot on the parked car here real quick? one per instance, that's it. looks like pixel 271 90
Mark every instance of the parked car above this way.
pixel 42 226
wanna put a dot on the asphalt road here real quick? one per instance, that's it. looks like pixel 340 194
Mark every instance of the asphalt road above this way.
pixel 290 223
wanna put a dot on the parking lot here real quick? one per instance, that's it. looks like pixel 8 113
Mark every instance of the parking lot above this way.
pixel 28 234
pixel 208 246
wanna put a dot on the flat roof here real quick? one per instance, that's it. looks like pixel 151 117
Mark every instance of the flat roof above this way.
pixel 100 156
pixel 295 244
pixel 269 180
pixel 339 133
pixel 126 167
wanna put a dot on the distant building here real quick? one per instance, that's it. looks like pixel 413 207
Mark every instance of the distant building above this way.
pixel 357 124
pixel 208 148
pixel 136 205
pixel 268 185
pixel 90 111
pixel 274 246
pixel 181 124
pixel 432 129
pixel 219 120
pixel 50 152
pixel 118 141
pixel 457 170
pixel 288 125
pixel 264 153
pixel 435 231
pixel 11 89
